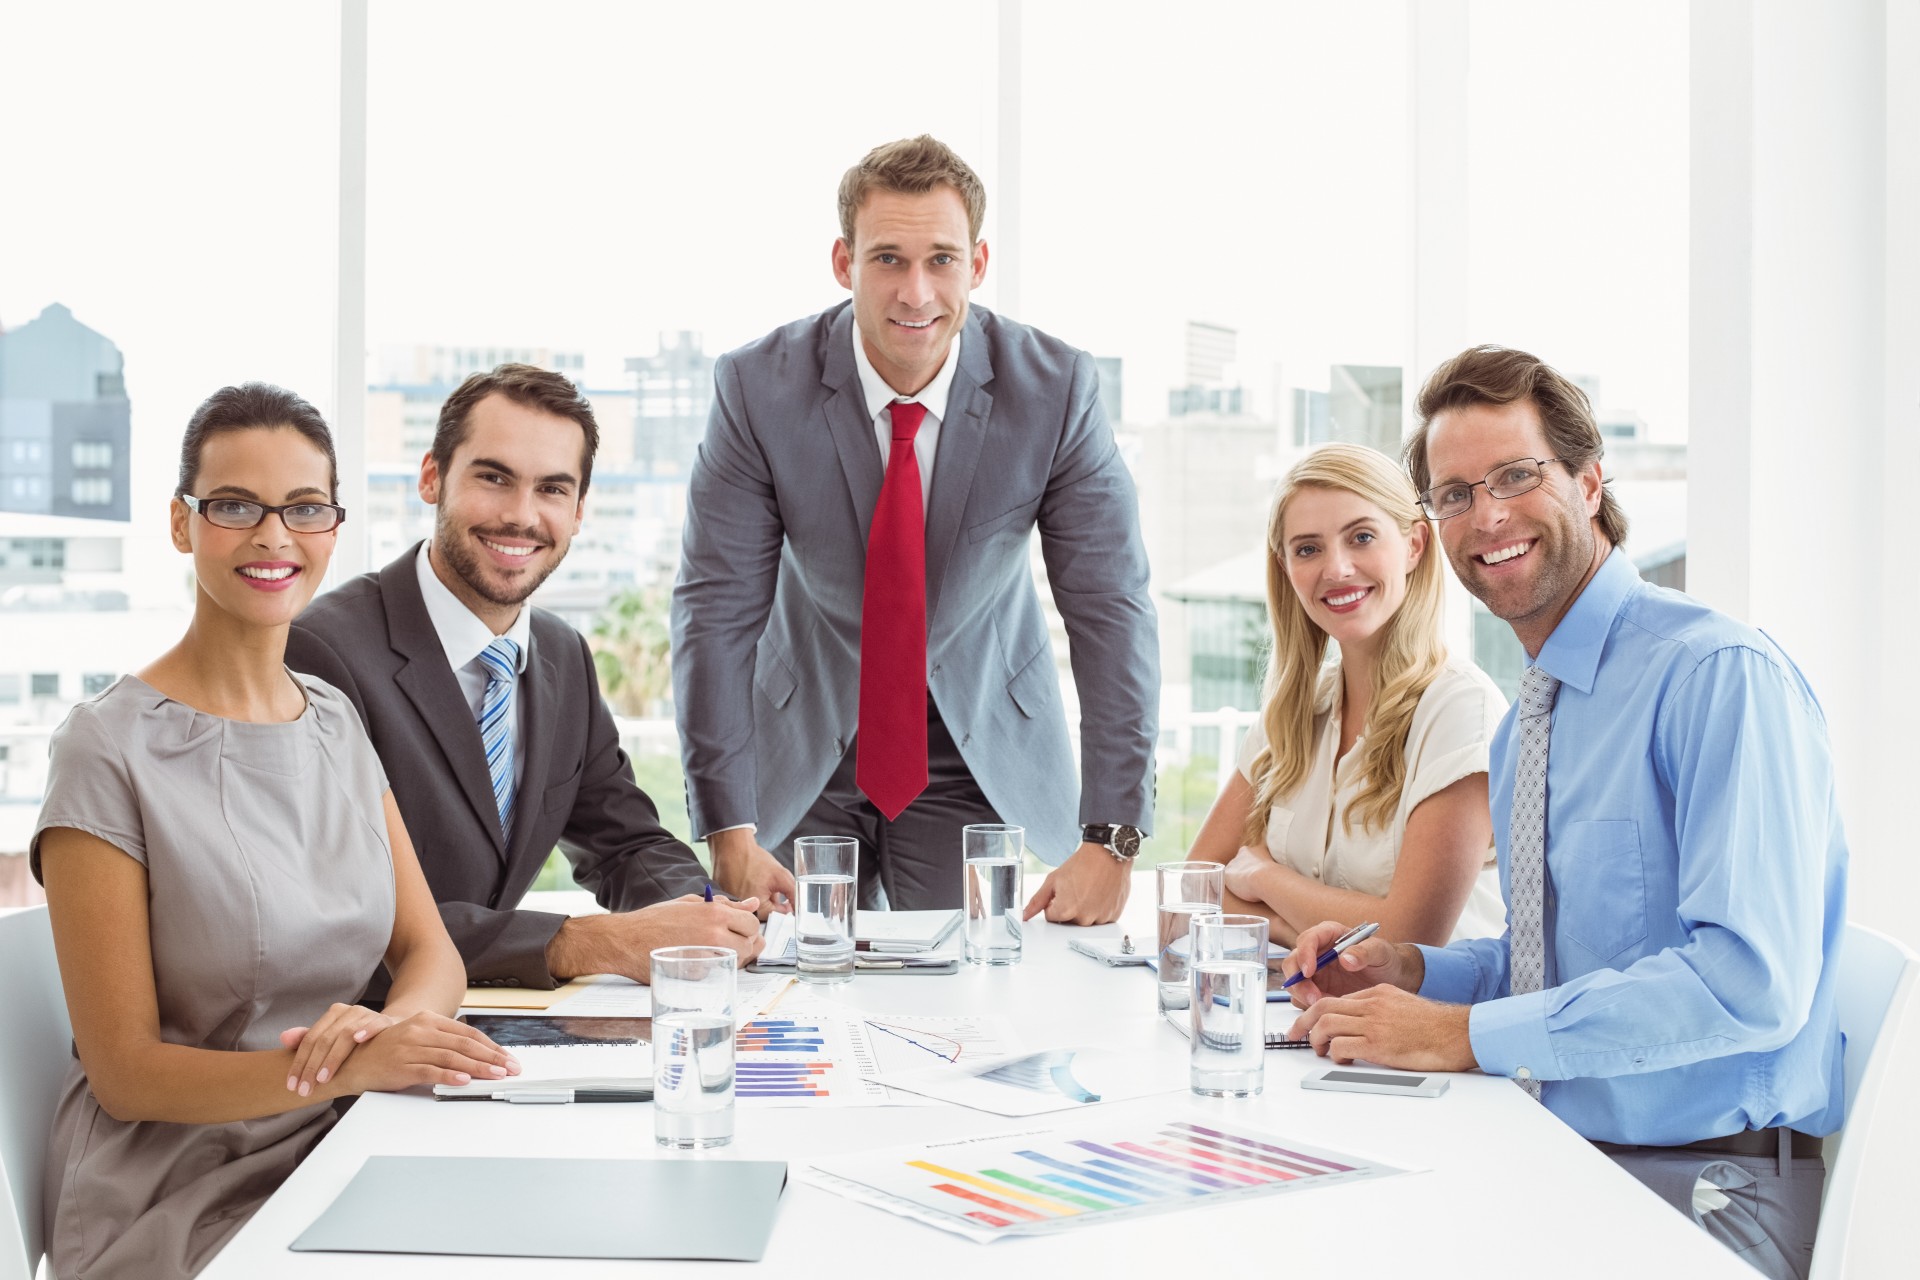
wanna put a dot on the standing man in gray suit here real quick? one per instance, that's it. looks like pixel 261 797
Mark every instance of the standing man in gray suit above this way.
pixel 486 712
pixel 857 645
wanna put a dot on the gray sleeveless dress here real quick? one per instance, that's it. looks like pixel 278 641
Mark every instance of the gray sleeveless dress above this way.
pixel 270 887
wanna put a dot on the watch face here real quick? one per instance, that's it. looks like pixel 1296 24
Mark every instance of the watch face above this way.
pixel 1126 841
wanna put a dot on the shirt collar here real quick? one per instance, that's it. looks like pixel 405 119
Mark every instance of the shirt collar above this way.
pixel 879 395
pixel 461 632
pixel 1571 654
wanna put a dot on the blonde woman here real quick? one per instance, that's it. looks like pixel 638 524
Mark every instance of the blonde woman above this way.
pixel 1361 792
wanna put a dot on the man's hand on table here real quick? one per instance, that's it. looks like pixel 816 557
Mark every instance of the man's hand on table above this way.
pixel 620 942
pixel 745 870
pixel 1090 887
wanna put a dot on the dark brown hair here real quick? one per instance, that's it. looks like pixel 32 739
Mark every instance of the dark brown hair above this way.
pixel 1502 375
pixel 253 404
pixel 526 385
pixel 911 166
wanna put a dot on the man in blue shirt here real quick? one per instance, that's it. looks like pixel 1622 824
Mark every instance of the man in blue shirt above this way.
pixel 1677 889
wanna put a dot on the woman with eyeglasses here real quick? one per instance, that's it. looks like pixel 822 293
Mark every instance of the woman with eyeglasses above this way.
pixel 1361 791
pixel 224 868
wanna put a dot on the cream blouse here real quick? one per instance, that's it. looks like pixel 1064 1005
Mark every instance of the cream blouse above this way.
pixel 1452 728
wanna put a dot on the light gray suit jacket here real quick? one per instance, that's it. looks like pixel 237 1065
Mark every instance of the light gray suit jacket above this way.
pixel 766 613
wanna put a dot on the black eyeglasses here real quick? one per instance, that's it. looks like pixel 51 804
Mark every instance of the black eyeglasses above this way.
pixel 238 513
pixel 1508 480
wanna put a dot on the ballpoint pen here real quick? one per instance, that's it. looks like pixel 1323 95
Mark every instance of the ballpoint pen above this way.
pixel 708 892
pixel 1357 934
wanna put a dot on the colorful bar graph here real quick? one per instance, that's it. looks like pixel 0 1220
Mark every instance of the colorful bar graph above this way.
pixel 780 1035
pixel 1043 1182
pixel 782 1079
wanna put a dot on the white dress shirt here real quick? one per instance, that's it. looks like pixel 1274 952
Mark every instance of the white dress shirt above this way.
pixel 934 395
pixel 465 638
pixel 1449 739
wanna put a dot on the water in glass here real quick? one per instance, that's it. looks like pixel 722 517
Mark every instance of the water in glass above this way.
pixel 824 928
pixel 993 910
pixel 1174 920
pixel 693 1080
pixel 1229 1028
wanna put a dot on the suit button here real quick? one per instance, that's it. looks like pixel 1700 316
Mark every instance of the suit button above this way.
pixel 839 747
pixel 513 982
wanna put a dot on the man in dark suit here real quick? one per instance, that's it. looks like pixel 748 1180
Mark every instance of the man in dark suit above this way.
pixel 857 645
pixel 487 713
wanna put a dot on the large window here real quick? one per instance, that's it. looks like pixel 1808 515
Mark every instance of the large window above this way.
pixel 167 229
pixel 1224 203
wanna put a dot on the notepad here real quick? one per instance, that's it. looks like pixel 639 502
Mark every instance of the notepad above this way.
pixel 517 1207
pixel 904 930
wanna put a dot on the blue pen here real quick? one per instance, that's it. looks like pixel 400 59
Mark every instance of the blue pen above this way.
pixel 708 893
pixel 1359 933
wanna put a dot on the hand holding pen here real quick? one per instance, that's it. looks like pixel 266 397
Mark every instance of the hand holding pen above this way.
pixel 1331 959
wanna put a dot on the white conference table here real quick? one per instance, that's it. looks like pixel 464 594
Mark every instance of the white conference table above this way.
pixel 1505 1188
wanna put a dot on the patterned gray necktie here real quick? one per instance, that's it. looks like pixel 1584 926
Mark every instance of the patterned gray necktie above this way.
pixel 1527 842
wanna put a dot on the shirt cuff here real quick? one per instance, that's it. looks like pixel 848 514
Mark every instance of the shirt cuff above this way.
pixel 738 826
pixel 1453 975
pixel 1509 1037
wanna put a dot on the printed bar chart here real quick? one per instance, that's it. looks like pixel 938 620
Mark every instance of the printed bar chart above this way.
pixel 782 1080
pixel 780 1035
pixel 1066 1178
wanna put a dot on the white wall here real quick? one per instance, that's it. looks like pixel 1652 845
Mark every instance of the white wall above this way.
pixel 1803 388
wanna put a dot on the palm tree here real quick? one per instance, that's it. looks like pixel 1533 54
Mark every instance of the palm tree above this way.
pixel 630 643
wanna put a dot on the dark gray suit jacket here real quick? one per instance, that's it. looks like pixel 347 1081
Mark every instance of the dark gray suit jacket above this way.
pixel 766 613
pixel 372 639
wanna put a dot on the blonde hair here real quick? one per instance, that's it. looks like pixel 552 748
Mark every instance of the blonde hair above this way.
pixel 1411 652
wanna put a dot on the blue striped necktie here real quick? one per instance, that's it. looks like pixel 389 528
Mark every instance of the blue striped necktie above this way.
pixel 502 659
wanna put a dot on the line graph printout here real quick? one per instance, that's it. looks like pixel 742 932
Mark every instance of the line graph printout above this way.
pixel 913 1042
pixel 1044 1181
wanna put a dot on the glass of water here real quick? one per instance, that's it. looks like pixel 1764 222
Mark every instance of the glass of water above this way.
pixel 826 869
pixel 692 991
pixel 1229 1012
pixel 993 852
pixel 1186 889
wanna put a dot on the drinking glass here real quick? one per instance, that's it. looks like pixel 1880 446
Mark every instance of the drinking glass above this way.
pixel 692 991
pixel 1229 1012
pixel 825 870
pixel 993 852
pixel 1186 889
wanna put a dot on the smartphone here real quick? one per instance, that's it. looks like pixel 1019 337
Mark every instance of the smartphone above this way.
pixel 1348 1080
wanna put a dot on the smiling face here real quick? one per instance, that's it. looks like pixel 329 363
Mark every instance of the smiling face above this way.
pixel 265 575
pixel 1527 557
pixel 507 506
pixel 1348 562
pixel 911 266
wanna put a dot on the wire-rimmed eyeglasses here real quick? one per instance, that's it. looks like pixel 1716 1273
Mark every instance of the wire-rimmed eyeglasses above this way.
pixel 1508 480
pixel 239 513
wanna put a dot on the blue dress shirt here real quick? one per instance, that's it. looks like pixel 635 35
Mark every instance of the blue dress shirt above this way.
pixel 1696 882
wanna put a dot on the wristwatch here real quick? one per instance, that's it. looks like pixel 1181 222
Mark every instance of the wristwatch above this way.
pixel 1123 842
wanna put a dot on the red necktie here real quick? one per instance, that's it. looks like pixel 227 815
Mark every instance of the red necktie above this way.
pixel 892 765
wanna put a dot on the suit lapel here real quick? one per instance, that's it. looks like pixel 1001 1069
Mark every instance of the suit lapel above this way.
pixel 852 427
pixel 540 686
pixel 962 434
pixel 431 686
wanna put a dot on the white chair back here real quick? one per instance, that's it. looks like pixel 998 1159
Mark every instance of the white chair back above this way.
pixel 1875 992
pixel 34 1052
